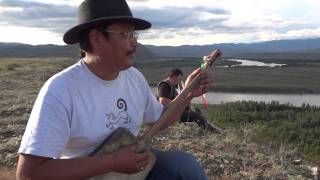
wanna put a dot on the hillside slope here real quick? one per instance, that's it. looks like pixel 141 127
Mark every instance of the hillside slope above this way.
pixel 234 155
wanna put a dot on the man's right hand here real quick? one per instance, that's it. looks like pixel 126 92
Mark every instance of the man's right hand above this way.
pixel 36 167
pixel 126 160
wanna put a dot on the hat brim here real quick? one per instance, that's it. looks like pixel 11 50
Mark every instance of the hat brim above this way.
pixel 72 35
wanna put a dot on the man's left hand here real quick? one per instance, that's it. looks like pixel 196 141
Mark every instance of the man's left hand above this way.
pixel 205 83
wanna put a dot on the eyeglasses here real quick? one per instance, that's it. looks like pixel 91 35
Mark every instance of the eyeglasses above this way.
pixel 132 35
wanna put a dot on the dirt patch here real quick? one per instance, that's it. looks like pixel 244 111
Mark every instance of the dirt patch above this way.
pixel 6 174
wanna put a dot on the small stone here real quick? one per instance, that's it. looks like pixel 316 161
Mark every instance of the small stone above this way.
pixel 297 161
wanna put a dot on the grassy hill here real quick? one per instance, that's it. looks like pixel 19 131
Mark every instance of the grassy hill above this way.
pixel 261 141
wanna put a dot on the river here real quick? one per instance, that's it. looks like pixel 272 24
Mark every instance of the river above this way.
pixel 294 99
pixel 223 97
pixel 245 62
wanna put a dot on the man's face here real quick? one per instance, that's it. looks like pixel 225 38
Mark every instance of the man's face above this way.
pixel 176 79
pixel 120 45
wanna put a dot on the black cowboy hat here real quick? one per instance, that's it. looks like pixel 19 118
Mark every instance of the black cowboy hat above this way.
pixel 93 13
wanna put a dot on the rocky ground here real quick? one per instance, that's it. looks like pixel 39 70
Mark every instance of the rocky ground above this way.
pixel 227 156
pixel 234 156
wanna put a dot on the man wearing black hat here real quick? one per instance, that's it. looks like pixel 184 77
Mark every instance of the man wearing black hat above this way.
pixel 79 107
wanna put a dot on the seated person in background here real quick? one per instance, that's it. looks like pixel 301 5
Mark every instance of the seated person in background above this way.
pixel 167 92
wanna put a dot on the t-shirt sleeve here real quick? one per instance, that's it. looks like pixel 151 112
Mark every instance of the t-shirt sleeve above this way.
pixel 152 108
pixel 48 128
pixel 164 90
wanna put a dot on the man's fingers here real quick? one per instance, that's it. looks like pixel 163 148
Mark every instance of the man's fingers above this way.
pixel 142 165
pixel 195 73
pixel 132 147
pixel 141 157
pixel 206 81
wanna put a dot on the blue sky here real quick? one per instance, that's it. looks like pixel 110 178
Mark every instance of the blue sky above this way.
pixel 178 22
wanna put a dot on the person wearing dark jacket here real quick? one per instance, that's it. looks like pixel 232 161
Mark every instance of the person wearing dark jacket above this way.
pixel 167 91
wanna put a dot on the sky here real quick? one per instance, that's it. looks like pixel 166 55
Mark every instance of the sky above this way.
pixel 174 22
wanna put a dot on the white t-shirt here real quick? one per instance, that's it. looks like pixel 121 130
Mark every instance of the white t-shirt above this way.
pixel 75 111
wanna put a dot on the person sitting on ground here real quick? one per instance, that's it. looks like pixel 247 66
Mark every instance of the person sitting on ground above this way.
pixel 167 92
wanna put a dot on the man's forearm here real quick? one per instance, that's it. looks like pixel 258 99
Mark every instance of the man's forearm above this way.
pixel 75 168
pixel 171 114
pixel 176 114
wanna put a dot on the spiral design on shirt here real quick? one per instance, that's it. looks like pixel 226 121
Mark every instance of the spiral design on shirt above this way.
pixel 121 104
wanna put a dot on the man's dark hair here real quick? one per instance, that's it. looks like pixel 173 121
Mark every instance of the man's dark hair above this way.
pixel 84 41
pixel 175 72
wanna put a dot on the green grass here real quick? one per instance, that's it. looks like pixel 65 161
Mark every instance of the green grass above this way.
pixel 297 127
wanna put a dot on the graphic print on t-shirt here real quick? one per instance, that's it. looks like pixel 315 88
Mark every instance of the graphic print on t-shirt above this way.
pixel 120 116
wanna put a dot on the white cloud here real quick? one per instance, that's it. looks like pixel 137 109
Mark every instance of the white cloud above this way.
pixel 10 9
pixel 26 35
pixel 312 2
pixel 68 2
pixel 160 4
pixel 292 34
pixel 174 22
pixel 192 36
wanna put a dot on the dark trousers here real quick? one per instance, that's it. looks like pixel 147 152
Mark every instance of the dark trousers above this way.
pixel 194 116
pixel 176 165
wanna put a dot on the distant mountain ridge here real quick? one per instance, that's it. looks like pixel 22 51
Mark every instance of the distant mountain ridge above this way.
pixel 18 50
pixel 265 49
pixel 307 49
